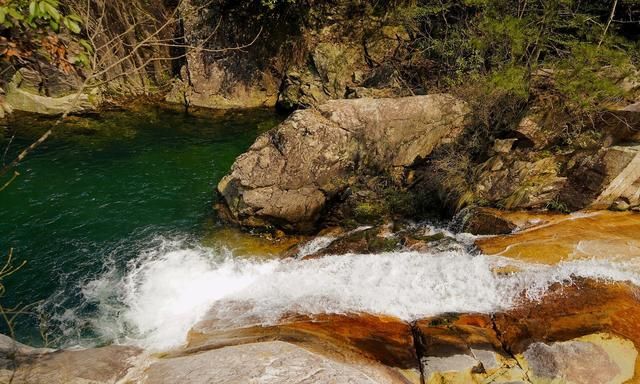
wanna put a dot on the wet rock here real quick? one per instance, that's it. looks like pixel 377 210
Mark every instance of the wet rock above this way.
pixel 620 205
pixel 464 349
pixel 290 173
pixel 571 311
pixel 484 221
pixel 580 333
pixel 381 339
pixel 273 362
pixel 361 241
pixel 599 235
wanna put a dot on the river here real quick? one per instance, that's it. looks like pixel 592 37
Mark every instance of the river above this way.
pixel 114 217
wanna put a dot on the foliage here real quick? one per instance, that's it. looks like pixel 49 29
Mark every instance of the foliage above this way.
pixel 507 41
pixel 589 76
pixel 41 30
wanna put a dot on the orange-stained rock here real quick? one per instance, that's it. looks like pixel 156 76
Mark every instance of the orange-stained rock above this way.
pixel 348 338
pixel 384 339
pixel 463 349
pixel 602 235
pixel 570 311
pixel 561 335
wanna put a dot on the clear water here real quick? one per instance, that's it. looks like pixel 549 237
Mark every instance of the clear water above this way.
pixel 100 190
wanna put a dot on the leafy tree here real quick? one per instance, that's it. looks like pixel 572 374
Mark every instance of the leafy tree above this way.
pixel 33 31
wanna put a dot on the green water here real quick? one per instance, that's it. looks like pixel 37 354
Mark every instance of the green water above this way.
pixel 101 186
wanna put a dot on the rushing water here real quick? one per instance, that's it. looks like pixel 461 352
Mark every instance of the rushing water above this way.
pixel 111 216
pixel 100 190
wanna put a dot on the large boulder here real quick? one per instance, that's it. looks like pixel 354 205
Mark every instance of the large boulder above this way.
pixel 290 173
pixel 622 177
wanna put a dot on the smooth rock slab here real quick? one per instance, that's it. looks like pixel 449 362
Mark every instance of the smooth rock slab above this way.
pixel 594 359
pixel 272 362
pixel 91 366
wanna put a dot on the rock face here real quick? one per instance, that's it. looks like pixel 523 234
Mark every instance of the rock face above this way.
pixel 289 174
pixel 294 55
pixel 29 92
pixel 622 177
pixel 519 183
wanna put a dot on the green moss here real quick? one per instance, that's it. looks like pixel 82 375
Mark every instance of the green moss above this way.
pixel 377 244
pixel 369 213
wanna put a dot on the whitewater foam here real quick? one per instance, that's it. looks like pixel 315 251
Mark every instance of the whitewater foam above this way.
pixel 168 289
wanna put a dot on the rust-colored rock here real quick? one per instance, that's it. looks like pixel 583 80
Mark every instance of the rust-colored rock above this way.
pixel 602 235
pixel 570 311
pixel 561 336
pixel 384 339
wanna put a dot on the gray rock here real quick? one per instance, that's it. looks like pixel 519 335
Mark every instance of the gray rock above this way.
pixel 25 93
pixel 90 366
pixel 272 362
pixel 289 173
pixel 621 177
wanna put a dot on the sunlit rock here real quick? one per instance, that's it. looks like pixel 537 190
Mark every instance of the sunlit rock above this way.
pixel 383 340
pixel 599 235
pixel 272 362
pixel 24 93
pixel 464 349
pixel 598 358
pixel 90 366
pixel 290 174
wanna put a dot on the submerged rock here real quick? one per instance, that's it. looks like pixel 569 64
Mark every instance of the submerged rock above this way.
pixel 290 173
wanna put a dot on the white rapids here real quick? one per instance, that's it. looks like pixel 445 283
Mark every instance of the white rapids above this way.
pixel 169 288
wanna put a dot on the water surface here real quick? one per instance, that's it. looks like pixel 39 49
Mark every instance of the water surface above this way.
pixel 100 190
